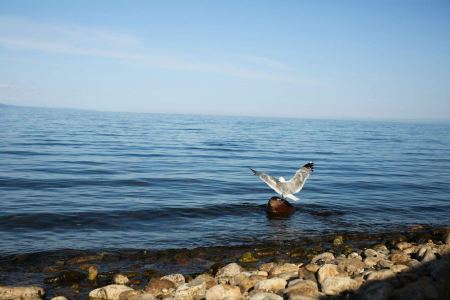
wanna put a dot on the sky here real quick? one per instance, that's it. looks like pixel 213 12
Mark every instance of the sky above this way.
pixel 307 59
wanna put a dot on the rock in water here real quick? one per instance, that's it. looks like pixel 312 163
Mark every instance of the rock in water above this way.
pixel 279 208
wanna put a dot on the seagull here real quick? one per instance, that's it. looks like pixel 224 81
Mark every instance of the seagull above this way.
pixel 292 186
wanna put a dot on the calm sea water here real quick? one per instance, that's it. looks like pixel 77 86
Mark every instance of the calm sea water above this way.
pixel 94 180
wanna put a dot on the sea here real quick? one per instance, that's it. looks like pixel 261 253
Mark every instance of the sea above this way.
pixel 78 179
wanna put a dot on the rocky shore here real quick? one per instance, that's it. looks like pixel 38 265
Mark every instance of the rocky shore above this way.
pixel 400 268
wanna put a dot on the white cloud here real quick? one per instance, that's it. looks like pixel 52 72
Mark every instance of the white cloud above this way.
pixel 20 34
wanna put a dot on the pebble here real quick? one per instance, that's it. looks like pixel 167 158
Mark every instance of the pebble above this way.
pixel 223 291
pixel 92 273
pixel 160 287
pixel 59 298
pixel 325 257
pixel 327 270
pixel 120 279
pixel 271 285
pixel 109 292
pixel 192 290
pixel 380 275
pixel 21 292
pixel 338 284
pixel 303 287
pixel 265 296
pixel 284 268
pixel 177 279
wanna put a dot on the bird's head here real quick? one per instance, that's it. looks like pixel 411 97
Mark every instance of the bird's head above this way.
pixel 281 179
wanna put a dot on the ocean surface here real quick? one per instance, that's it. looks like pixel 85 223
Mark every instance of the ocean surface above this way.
pixel 72 179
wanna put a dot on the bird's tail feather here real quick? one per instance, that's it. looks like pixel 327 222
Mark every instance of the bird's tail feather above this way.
pixel 255 172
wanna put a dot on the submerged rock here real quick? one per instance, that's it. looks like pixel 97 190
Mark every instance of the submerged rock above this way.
pixel 277 207
pixel 67 277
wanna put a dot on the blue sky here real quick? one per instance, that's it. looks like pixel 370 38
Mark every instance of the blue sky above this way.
pixel 313 59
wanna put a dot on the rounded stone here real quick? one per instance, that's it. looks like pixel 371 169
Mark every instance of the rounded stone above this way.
pixel 279 208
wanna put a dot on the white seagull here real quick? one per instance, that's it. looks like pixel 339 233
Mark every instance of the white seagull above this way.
pixel 292 186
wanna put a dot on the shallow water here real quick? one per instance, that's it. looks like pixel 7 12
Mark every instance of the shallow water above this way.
pixel 73 179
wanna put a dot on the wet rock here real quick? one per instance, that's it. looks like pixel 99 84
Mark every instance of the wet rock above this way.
pixel 400 258
pixel 380 275
pixel 375 291
pixel 399 268
pixel 223 291
pixel 338 284
pixel 277 207
pixel 284 268
pixel 84 259
pixel 21 292
pixel 248 257
pixel 271 285
pixel 338 240
pixel 136 295
pixel 67 277
pixel 323 258
pixel 265 296
pixel 92 273
pixel 160 287
pixel 312 268
pixel 109 292
pixel 195 289
pixel 303 287
pixel 177 279
pixel 327 270
pixel 120 279
pixel 351 266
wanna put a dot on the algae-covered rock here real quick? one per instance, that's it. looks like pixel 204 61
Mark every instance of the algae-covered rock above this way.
pixel 248 257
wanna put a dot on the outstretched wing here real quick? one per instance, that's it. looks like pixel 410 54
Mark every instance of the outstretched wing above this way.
pixel 269 180
pixel 296 183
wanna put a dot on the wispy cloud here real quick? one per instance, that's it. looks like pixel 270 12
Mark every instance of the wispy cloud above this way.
pixel 20 34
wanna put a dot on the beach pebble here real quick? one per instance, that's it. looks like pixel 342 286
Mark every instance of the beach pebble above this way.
pixel 399 268
pixel 381 249
pixel 355 255
pixel 373 253
pixel 303 287
pixel 92 272
pixel 136 295
pixel 120 279
pixel 327 270
pixel 21 292
pixel 265 296
pixel 58 298
pixel 192 290
pixel 271 285
pixel 352 266
pixel 400 258
pixel 312 268
pixel 371 261
pixel 109 292
pixel 267 267
pixel 338 284
pixel 385 263
pixel 428 257
pixel 160 287
pixel 322 258
pixel 284 268
pixel 245 282
pixel 206 278
pixel 177 279
pixel 224 274
pixel 223 291
pixel 380 275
